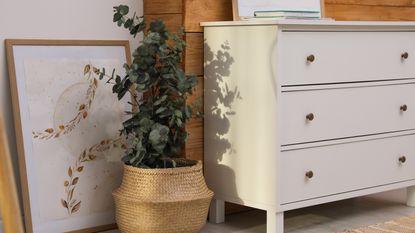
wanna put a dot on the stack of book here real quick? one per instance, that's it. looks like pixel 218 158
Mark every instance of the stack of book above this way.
pixel 287 14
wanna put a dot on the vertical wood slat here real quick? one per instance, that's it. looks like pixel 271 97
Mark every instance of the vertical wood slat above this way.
pixel 196 11
pixel 193 55
pixel 155 7
pixel 194 144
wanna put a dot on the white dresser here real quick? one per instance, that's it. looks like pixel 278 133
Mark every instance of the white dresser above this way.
pixel 299 113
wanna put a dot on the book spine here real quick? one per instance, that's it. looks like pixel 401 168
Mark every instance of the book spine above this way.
pixel 280 14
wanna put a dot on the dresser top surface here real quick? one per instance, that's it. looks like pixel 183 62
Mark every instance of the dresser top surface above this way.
pixel 320 23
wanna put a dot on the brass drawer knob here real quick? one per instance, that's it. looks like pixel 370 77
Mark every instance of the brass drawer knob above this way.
pixel 405 55
pixel 402 159
pixel 311 58
pixel 404 108
pixel 310 116
pixel 309 174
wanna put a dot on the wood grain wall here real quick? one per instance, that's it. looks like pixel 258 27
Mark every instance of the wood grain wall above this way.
pixel 377 10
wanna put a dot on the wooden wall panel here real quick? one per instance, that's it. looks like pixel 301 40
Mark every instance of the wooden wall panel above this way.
pixel 155 7
pixel 403 3
pixel 193 56
pixel 173 21
pixel 367 13
pixel 194 144
pixel 196 11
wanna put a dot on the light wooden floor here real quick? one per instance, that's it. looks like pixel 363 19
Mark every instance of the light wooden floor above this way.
pixel 325 218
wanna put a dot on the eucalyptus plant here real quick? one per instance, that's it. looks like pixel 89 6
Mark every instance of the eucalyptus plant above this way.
pixel 155 131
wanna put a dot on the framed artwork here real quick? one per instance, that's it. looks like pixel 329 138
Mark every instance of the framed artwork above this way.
pixel 245 9
pixel 9 202
pixel 67 125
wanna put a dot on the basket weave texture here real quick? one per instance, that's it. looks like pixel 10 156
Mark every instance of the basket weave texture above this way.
pixel 172 200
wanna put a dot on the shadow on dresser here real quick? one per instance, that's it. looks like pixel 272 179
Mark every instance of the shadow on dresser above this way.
pixel 220 95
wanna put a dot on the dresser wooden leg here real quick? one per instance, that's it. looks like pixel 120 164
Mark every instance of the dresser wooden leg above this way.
pixel 410 198
pixel 217 211
pixel 275 222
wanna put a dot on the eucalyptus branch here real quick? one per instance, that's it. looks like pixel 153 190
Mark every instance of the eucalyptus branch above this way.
pixel 157 130
pixel 103 75
pixel 134 24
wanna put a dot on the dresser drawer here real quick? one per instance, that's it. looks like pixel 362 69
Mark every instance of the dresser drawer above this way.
pixel 345 167
pixel 346 112
pixel 346 57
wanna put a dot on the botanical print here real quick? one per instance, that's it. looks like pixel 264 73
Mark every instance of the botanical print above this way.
pixel 76 142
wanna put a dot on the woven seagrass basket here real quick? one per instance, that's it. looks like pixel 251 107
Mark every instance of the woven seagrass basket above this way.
pixel 172 200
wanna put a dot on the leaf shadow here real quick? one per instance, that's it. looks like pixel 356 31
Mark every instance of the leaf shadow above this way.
pixel 221 95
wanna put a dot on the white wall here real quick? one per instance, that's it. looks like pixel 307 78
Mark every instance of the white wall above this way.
pixel 54 19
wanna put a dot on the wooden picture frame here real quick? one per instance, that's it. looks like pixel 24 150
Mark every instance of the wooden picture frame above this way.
pixel 235 11
pixel 237 17
pixel 58 111
pixel 9 201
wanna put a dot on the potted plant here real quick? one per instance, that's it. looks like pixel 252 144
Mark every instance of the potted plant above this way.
pixel 160 192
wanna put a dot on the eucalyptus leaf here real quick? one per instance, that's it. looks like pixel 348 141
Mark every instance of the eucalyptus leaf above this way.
pixel 160 110
pixel 123 9
pixel 117 17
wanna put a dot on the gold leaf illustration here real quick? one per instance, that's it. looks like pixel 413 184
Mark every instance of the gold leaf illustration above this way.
pixel 64 203
pixel 71 193
pixel 82 107
pixel 75 181
pixel 70 172
pixel 96 70
pixel 82 113
pixel 87 69
pixel 50 130
pixel 72 202
pixel 89 154
pixel 76 207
